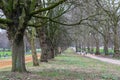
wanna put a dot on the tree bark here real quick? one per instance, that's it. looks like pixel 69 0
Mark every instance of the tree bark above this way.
pixel 34 53
pixel 31 39
pixel 18 57
pixel 51 54
pixel 97 45
pixel 50 49
pixel 97 48
pixel 17 44
pixel 43 44
pixel 106 46
pixel 116 44
pixel 15 35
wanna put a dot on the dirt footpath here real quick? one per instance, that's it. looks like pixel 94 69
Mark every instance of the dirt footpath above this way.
pixel 8 62
pixel 108 60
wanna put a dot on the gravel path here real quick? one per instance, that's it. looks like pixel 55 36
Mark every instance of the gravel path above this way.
pixel 108 60
pixel 113 61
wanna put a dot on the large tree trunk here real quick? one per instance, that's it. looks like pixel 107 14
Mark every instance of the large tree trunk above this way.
pixel 18 57
pixel 15 35
pixel 43 44
pixel 17 44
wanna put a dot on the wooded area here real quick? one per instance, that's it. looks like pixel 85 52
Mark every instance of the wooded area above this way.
pixel 58 24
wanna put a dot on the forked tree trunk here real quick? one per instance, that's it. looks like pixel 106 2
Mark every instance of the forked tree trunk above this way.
pixel 17 44
pixel 18 57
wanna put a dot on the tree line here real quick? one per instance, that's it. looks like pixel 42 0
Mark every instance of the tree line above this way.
pixel 30 18
pixel 58 25
pixel 100 26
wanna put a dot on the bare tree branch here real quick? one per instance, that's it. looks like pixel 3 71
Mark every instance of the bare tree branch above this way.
pixel 47 8
pixel 73 24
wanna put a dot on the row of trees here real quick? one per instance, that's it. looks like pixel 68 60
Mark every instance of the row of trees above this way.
pixel 33 18
pixel 100 26
pixel 89 23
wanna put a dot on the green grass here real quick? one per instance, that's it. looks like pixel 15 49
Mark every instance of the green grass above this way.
pixel 102 51
pixel 5 52
pixel 110 51
pixel 68 66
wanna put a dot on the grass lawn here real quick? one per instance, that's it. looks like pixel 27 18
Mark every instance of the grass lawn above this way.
pixel 68 66
pixel 5 52
pixel 110 51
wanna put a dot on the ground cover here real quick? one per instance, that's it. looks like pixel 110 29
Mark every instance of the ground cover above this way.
pixel 68 66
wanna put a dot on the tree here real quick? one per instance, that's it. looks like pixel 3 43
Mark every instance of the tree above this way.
pixel 18 13
pixel 47 34
pixel 111 8
pixel 30 34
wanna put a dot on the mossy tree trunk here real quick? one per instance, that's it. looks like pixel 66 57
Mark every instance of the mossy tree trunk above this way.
pixel 15 34
pixel 31 40
pixel 18 13
pixel 18 57
pixel 34 53
pixel 17 45
pixel 43 44
pixel 116 43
